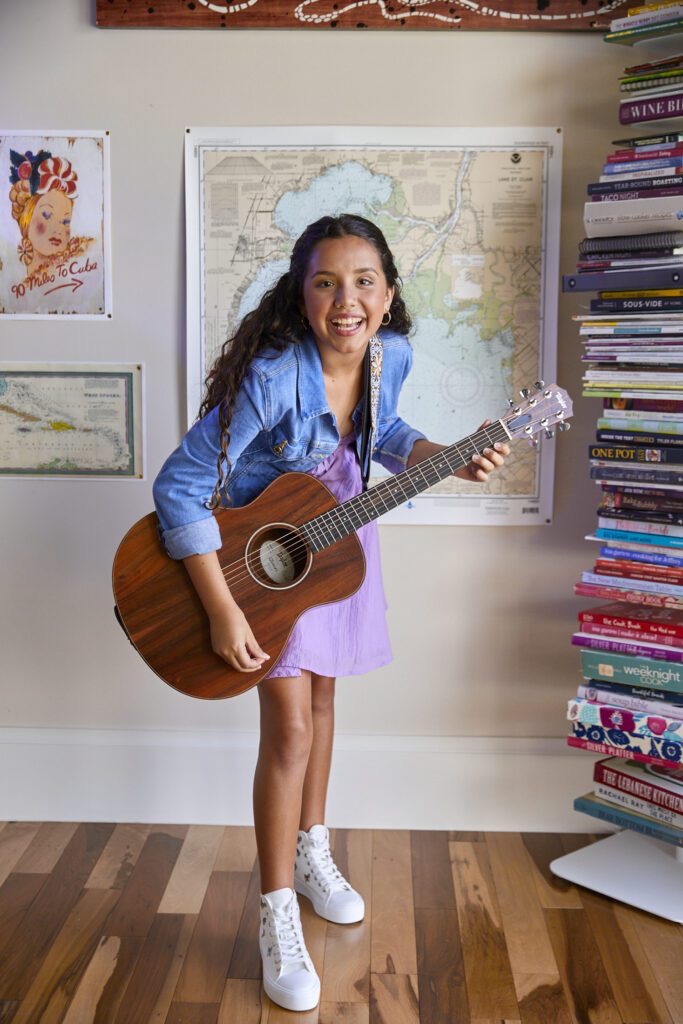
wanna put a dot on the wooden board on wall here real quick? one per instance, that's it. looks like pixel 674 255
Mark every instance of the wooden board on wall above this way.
pixel 449 15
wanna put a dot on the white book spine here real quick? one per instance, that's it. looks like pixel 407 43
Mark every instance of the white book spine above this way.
pixel 633 216
pixel 634 803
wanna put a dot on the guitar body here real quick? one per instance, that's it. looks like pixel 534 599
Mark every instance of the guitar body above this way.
pixel 272 572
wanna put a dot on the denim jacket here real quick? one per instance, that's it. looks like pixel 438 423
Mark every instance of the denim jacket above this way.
pixel 281 422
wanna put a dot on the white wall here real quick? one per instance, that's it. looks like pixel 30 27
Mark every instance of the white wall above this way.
pixel 482 630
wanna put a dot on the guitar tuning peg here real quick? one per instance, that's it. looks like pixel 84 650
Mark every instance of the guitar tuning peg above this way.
pixel 539 385
pixel 511 403
pixel 564 426
pixel 533 441
pixel 549 432
pixel 524 392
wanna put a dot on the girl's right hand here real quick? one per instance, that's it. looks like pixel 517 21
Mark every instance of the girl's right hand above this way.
pixel 233 640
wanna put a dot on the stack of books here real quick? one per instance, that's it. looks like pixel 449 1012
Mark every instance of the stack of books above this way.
pixel 645 797
pixel 647 21
pixel 630 702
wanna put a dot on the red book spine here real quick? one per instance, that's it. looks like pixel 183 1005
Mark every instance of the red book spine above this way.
pixel 607 568
pixel 631 596
pixel 613 632
pixel 650 626
pixel 604 748
pixel 635 154
pixel 612 776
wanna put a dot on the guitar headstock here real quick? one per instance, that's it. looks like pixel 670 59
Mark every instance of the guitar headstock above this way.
pixel 542 409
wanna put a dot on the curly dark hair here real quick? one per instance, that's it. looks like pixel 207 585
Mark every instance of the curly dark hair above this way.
pixel 277 322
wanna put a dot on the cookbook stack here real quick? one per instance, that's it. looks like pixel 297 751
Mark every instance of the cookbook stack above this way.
pixel 630 703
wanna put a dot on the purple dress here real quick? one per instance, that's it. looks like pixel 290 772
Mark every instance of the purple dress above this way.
pixel 348 637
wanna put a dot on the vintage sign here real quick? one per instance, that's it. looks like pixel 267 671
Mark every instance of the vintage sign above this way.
pixel 546 15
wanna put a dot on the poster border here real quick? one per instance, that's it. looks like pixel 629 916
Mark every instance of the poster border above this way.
pixel 105 136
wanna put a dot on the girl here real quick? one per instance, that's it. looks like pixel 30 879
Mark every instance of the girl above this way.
pixel 286 393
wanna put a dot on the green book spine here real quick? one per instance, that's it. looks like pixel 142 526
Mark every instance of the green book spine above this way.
pixel 621 668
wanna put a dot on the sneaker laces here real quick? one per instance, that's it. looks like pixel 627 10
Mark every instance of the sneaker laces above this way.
pixel 330 875
pixel 288 939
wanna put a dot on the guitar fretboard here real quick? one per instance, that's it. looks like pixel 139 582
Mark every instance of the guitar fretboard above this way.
pixel 347 518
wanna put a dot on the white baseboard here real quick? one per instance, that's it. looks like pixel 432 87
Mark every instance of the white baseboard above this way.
pixel 378 781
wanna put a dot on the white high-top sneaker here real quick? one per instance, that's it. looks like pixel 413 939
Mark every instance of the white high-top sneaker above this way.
pixel 289 976
pixel 317 877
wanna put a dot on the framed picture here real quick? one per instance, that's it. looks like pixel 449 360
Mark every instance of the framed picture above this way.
pixel 55 225
pixel 472 217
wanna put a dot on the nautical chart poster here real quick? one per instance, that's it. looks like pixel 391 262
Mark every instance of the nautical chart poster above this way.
pixel 54 225
pixel 472 217
pixel 71 420
pixel 547 15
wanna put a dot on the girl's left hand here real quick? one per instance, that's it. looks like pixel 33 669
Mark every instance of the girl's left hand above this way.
pixel 482 465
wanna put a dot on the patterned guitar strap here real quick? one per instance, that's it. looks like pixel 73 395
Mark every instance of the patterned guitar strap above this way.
pixel 373 377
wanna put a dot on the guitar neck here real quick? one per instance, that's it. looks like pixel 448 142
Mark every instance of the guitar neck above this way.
pixel 348 517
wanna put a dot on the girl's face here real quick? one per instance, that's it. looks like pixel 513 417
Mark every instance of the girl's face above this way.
pixel 345 294
pixel 50 227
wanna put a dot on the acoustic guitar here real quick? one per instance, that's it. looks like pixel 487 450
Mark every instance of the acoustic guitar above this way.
pixel 292 547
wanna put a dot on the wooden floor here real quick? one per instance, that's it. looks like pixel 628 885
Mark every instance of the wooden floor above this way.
pixel 129 924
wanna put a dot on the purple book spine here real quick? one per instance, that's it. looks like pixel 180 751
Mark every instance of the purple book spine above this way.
pixel 654 109
pixel 598 643
pixel 650 193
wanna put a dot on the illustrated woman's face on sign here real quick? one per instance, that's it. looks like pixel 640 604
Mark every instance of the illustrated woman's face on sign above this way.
pixel 50 228
pixel 345 293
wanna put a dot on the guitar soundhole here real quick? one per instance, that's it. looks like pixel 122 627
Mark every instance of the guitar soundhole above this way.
pixel 278 556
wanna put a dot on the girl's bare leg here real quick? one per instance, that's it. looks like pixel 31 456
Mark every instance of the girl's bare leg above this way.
pixel 320 759
pixel 284 753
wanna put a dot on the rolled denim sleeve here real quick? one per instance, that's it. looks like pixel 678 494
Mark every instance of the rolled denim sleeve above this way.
pixel 185 483
pixel 395 438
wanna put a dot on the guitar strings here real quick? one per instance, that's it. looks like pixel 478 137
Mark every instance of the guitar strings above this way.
pixel 234 573
pixel 238 571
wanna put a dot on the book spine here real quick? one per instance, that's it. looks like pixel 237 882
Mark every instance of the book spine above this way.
pixel 634 475
pixel 641 623
pixel 663 530
pixel 650 500
pixel 613 776
pixel 634 515
pixel 598 643
pixel 642 557
pixel 635 723
pixel 638 748
pixel 634 453
pixel 615 633
pixel 646 586
pixel 635 305
pixel 636 671
pixel 628 819
pixel 646 184
pixel 643 693
pixel 597 695
pixel 640 806
pixel 641 193
pixel 636 111
pixel 632 596
pixel 660 164
pixel 616 280
pixel 658 240
pixel 621 535
pixel 625 567
pixel 664 428
pixel 644 405
pixel 646 18
pixel 639 437
pixel 644 155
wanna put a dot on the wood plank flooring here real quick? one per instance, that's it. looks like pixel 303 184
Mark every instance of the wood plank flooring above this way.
pixel 152 924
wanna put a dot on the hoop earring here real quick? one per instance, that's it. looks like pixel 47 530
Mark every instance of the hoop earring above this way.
pixel 387 322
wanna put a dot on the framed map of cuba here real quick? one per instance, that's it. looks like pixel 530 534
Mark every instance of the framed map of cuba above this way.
pixel 472 217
